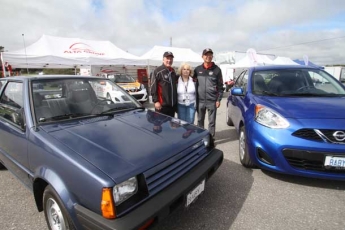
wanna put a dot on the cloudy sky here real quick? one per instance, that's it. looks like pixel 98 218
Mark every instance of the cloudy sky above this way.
pixel 291 28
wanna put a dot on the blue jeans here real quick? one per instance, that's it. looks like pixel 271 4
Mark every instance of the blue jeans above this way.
pixel 186 113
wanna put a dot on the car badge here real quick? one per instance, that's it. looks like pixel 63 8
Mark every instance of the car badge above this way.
pixel 339 135
pixel 210 73
pixel 196 146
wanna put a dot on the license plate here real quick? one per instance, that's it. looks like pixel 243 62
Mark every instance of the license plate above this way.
pixel 193 195
pixel 338 162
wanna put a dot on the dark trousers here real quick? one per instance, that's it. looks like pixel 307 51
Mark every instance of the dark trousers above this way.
pixel 170 111
pixel 212 112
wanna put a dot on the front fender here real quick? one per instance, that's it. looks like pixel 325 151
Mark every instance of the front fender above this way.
pixel 45 177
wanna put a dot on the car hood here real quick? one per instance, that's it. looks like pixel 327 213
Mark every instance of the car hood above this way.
pixel 306 107
pixel 124 145
pixel 127 86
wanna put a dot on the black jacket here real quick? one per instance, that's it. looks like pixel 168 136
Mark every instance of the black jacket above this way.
pixel 209 83
pixel 164 86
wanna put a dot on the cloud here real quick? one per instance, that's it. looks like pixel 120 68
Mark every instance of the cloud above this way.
pixel 277 27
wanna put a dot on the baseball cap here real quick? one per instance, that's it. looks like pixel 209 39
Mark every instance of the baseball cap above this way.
pixel 207 50
pixel 167 54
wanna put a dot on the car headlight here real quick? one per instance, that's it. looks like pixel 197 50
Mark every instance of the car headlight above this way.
pixel 270 118
pixel 208 141
pixel 125 190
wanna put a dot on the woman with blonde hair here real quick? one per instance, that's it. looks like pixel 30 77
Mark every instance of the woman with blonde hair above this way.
pixel 186 94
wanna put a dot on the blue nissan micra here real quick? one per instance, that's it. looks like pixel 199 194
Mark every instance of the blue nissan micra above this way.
pixel 290 119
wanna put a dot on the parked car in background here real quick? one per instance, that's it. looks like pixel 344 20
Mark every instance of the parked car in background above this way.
pixel 290 119
pixel 95 164
pixel 132 86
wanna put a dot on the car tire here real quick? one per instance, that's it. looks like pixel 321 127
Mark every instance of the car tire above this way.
pixel 243 149
pixel 228 119
pixel 55 213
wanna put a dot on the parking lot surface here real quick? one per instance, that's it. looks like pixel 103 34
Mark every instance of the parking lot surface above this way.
pixel 234 198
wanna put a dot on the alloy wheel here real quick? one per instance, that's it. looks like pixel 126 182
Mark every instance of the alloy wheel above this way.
pixel 54 215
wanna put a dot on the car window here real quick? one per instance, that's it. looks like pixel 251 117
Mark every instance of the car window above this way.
pixel 296 82
pixel 2 84
pixel 11 103
pixel 239 79
pixel 342 75
pixel 70 98
pixel 123 78
pixel 243 81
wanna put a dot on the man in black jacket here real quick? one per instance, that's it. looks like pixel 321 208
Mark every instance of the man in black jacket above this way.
pixel 209 90
pixel 164 86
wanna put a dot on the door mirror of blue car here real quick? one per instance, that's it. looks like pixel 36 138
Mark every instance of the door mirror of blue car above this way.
pixel 237 91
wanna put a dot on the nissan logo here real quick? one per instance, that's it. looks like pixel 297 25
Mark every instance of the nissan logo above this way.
pixel 339 135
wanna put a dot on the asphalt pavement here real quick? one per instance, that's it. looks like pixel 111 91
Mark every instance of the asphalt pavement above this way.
pixel 234 198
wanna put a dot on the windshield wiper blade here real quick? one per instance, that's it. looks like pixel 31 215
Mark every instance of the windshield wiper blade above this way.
pixel 268 93
pixel 66 116
pixel 305 94
pixel 120 109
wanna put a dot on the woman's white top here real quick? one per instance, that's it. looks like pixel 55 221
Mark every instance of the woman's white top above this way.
pixel 185 91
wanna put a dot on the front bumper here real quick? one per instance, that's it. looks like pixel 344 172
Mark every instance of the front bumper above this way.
pixel 158 206
pixel 140 95
pixel 280 151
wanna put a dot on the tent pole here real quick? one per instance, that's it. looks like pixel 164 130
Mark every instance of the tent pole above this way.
pixel 149 82
pixel 3 65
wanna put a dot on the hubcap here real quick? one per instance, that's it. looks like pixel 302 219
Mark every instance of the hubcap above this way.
pixel 242 142
pixel 54 215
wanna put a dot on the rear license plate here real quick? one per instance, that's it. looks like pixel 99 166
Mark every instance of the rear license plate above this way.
pixel 338 162
pixel 193 195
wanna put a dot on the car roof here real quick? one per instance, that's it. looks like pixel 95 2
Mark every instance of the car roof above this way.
pixel 47 77
pixel 278 67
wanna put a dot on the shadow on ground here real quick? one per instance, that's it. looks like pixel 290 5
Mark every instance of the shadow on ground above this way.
pixel 226 135
pixel 219 205
pixel 311 182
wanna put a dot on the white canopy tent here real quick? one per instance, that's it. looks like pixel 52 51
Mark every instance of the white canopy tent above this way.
pixel 154 57
pixel 248 62
pixel 284 61
pixel 60 52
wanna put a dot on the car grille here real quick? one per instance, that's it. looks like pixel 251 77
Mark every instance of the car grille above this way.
pixel 321 135
pixel 133 90
pixel 164 174
pixel 138 96
pixel 309 160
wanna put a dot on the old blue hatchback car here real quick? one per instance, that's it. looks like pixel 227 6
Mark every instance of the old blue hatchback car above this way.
pixel 290 119
pixel 96 163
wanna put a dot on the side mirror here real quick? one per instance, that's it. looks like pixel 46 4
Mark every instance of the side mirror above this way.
pixel 237 91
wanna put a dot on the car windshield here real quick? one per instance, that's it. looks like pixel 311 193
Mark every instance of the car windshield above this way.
pixel 121 78
pixel 69 98
pixel 295 82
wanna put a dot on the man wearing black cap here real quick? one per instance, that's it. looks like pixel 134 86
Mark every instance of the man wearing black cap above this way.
pixel 209 90
pixel 163 86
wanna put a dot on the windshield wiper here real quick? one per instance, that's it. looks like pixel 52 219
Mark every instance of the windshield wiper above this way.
pixel 120 109
pixel 66 116
pixel 268 93
pixel 306 94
